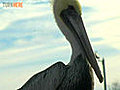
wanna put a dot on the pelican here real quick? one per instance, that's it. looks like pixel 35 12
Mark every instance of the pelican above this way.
pixel 78 73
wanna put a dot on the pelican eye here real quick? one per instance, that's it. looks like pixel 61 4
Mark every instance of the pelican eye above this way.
pixel 71 7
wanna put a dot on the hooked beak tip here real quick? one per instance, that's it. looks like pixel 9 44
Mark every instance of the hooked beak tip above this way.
pixel 101 79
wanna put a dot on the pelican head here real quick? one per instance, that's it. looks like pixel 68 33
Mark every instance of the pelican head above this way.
pixel 68 17
pixel 63 4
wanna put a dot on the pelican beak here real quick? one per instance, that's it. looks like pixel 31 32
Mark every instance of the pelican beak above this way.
pixel 74 22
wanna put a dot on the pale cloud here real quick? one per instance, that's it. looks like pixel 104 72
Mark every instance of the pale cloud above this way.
pixel 19 77
pixel 103 22
pixel 109 31
pixel 29 54
pixel 19 16
pixel 10 15
pixel 112 68
pixel 21 42
pixel 19 50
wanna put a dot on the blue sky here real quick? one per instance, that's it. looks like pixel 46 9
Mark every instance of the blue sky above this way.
pixel 30 40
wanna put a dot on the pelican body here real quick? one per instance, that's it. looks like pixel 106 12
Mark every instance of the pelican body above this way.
pixel 77 74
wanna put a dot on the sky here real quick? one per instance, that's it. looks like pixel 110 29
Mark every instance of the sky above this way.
pixel 30 40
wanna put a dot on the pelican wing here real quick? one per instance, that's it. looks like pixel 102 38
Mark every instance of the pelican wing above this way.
pixel 48 79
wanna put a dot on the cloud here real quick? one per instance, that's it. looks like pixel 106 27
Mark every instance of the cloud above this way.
pixel 32 53
pixel 106 50
pixel 112 65
pixel 10 15
pixel 102 21
pixel 18 76
pixel 32 38
pixel 109 31
pixel 96 39
pixel 32 29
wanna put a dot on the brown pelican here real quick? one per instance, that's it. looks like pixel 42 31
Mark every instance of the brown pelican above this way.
pixel 77 75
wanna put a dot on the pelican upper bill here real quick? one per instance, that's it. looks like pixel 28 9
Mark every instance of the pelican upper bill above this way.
pixel 74 22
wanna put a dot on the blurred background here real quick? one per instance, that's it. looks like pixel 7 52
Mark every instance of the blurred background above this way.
pixel 30 40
